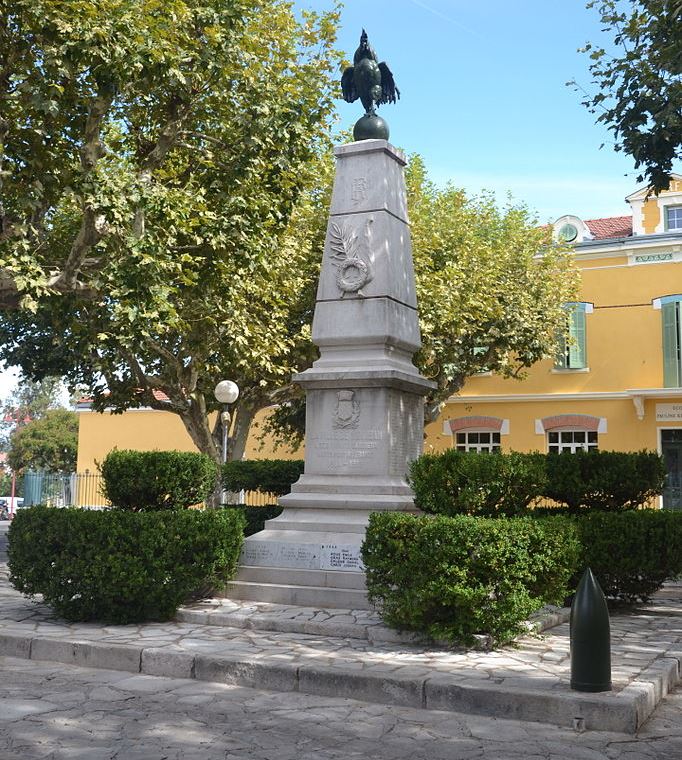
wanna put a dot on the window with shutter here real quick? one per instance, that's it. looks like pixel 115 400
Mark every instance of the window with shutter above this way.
pixel 572 352
pixel 670 311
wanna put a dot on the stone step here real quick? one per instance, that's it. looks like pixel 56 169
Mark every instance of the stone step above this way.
pixel 290 594
pixel 298 577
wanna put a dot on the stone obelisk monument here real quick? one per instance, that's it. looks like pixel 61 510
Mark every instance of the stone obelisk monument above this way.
pixel 364 396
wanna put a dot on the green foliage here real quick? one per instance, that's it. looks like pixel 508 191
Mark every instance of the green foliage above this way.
pixel 119 567
pixel 6 485
pixel 28 402
pixel 153 157
pixel 273 476
pixel 47 443
pixel 486 300
pixel 604 480
pixel 631 553
pixel 639 85
pixel 255 517
pixel 453 577
pixel 157 480
pixel 458 482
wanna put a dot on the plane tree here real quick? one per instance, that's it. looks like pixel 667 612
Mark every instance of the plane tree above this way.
pixel 638 83
pixel 151 156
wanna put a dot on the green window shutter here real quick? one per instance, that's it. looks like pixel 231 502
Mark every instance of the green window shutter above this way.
pixel 577 350
pixel 671 345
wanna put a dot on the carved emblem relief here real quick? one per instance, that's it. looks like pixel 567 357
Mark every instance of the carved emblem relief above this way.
pixel 358 190
pixel 353 270
pixel 346 411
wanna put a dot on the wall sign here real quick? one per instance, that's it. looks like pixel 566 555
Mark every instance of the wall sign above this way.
pixel 668 412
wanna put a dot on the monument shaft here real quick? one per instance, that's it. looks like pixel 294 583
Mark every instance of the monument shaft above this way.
pixel 364 396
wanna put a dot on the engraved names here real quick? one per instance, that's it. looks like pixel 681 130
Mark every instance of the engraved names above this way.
pixel 343 450
pixel 340 557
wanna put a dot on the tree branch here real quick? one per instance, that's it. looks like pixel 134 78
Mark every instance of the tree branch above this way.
pixel 91 229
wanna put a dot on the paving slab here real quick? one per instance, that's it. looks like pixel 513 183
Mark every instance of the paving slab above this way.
pixel 527 681
pixel 62 712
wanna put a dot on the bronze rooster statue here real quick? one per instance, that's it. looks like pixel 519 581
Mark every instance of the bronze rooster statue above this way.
pixel 373 83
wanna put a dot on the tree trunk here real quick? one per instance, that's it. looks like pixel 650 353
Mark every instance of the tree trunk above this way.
pixel 241 424
pixel 208 441
pixel 195 419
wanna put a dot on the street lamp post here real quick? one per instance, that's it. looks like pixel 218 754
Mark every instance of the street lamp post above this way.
pixel 226 392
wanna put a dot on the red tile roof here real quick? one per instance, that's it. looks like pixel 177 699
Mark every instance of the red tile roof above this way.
pixel 85 402
pixel 610 227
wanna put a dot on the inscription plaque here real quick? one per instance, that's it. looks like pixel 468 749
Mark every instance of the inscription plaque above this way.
pixel 341 557
pixel 344 451
pixel 275 554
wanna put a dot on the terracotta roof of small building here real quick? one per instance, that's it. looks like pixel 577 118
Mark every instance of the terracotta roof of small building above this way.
pixel 610 227
pixel 84 403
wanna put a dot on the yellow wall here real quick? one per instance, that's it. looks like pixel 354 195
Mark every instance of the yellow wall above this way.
pixel 145 430
pixel 624 336
pixel 651 208
pixel 651 215
pixel 624 346
pixel 625 432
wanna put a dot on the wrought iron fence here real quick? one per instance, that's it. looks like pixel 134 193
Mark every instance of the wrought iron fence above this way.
pixel 76 489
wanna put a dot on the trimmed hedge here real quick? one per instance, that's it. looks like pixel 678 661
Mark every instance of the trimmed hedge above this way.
pixel 631 553
pixel 453 577
pixel 118 566
pixel 157 480
pixel 274 476
pixel 604 480
pixel 459 482
pixel 255 517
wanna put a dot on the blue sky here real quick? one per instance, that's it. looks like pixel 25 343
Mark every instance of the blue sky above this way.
pixel 484 100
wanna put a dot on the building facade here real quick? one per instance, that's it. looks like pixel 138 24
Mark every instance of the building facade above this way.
pixel 616 382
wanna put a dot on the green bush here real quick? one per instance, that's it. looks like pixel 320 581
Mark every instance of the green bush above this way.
pixel 118 566
pixel 459 482
pixel 157 480
pixel 453 577
pixel 604 480
pixel 631 553
pixel 274 476
pixel 255 517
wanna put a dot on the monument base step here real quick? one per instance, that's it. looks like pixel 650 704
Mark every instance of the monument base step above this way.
pixel 295 595
pixel 297 577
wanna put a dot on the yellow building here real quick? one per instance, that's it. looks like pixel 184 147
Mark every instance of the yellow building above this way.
pixel 147 429
pixel 616 385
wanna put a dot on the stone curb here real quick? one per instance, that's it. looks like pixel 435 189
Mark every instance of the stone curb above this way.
pixel 375 633
pixel 623 712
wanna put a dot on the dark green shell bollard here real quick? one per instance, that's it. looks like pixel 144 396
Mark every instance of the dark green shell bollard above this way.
pixel 590 637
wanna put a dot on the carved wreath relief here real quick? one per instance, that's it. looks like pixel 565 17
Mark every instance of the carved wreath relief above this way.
pixel 346 411
pixel 353 272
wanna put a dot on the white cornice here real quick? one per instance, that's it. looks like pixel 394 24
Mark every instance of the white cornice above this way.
pixel 628 246
pixel 529 397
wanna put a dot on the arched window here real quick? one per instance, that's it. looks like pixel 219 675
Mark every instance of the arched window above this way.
pixel 478 433
pixel 572 432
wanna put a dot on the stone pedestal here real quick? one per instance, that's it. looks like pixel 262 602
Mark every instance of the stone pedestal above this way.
pixel 364 397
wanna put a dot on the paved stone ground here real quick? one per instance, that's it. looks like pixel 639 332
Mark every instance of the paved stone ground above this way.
pixel 350 654
pixel 528 681
pixel 61 712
